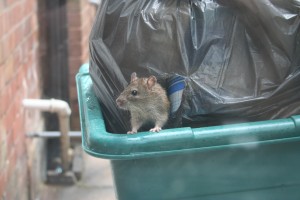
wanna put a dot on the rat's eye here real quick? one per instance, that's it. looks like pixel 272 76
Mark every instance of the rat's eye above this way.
pixel 134 92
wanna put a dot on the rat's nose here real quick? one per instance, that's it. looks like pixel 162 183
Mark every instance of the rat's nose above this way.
pixel 120 102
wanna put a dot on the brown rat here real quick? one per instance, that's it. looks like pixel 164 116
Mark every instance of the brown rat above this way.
pixel 147 102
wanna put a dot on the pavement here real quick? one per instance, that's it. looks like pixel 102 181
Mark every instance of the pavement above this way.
pixel 96 183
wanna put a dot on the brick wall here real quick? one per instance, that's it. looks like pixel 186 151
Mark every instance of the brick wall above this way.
pixel 19 79
pixel 80 16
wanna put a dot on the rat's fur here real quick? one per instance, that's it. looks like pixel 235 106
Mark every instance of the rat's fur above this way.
pixel 149 104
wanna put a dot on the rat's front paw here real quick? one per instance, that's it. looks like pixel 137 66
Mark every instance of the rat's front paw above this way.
pixel 155 129
pixel 131 132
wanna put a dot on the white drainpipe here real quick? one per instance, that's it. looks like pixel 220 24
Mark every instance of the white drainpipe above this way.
pixel 62 109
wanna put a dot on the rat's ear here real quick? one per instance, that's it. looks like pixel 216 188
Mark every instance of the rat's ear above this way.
pixel 133 77
pixel 151 82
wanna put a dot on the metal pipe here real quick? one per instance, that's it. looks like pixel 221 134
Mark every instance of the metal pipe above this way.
pixel 63 111
pixel 53 134
pixel 51 105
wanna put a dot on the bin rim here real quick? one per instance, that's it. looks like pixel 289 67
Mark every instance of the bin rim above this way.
pixel 97 142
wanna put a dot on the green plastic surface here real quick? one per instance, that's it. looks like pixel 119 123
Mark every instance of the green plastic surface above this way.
pixel 257 160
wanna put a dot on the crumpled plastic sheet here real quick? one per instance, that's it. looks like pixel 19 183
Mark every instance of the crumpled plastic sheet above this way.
pixel 240 60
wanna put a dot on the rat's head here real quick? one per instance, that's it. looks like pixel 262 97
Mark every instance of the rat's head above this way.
pixel 137 92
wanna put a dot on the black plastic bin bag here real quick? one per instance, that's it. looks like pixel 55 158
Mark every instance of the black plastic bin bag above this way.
pixel 240 60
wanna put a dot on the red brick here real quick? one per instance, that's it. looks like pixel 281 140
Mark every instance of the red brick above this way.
pixel 24 48
pixel 22 181
pixel 3 104
pixel 12 160
pixel 11 155
pixel 1 24
pixel 18 57
pixel 2 183
pixel 75 123
pixel 8 43
pixel 10 3
pixel 33 38
pixel 74 35
pixel 20 145
pixel 72 82
pixel 1 5
pixel 8 119
pixel 18 46
pixel 2 53
pixel 28 8
pixel 3 151
pixel 75 109
pixel 16 14
pixel 8 97
pixel 73 19
pixel 74 50
pixel 19 37
pixel 5 97
pixel 7 25
pixel 15 110
pixel 73 6
pixel 85 55
pixel 8 70
pixel 74 63
pixel 12 42
pixel 34 21
pixel 73 92
pixel 19 76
